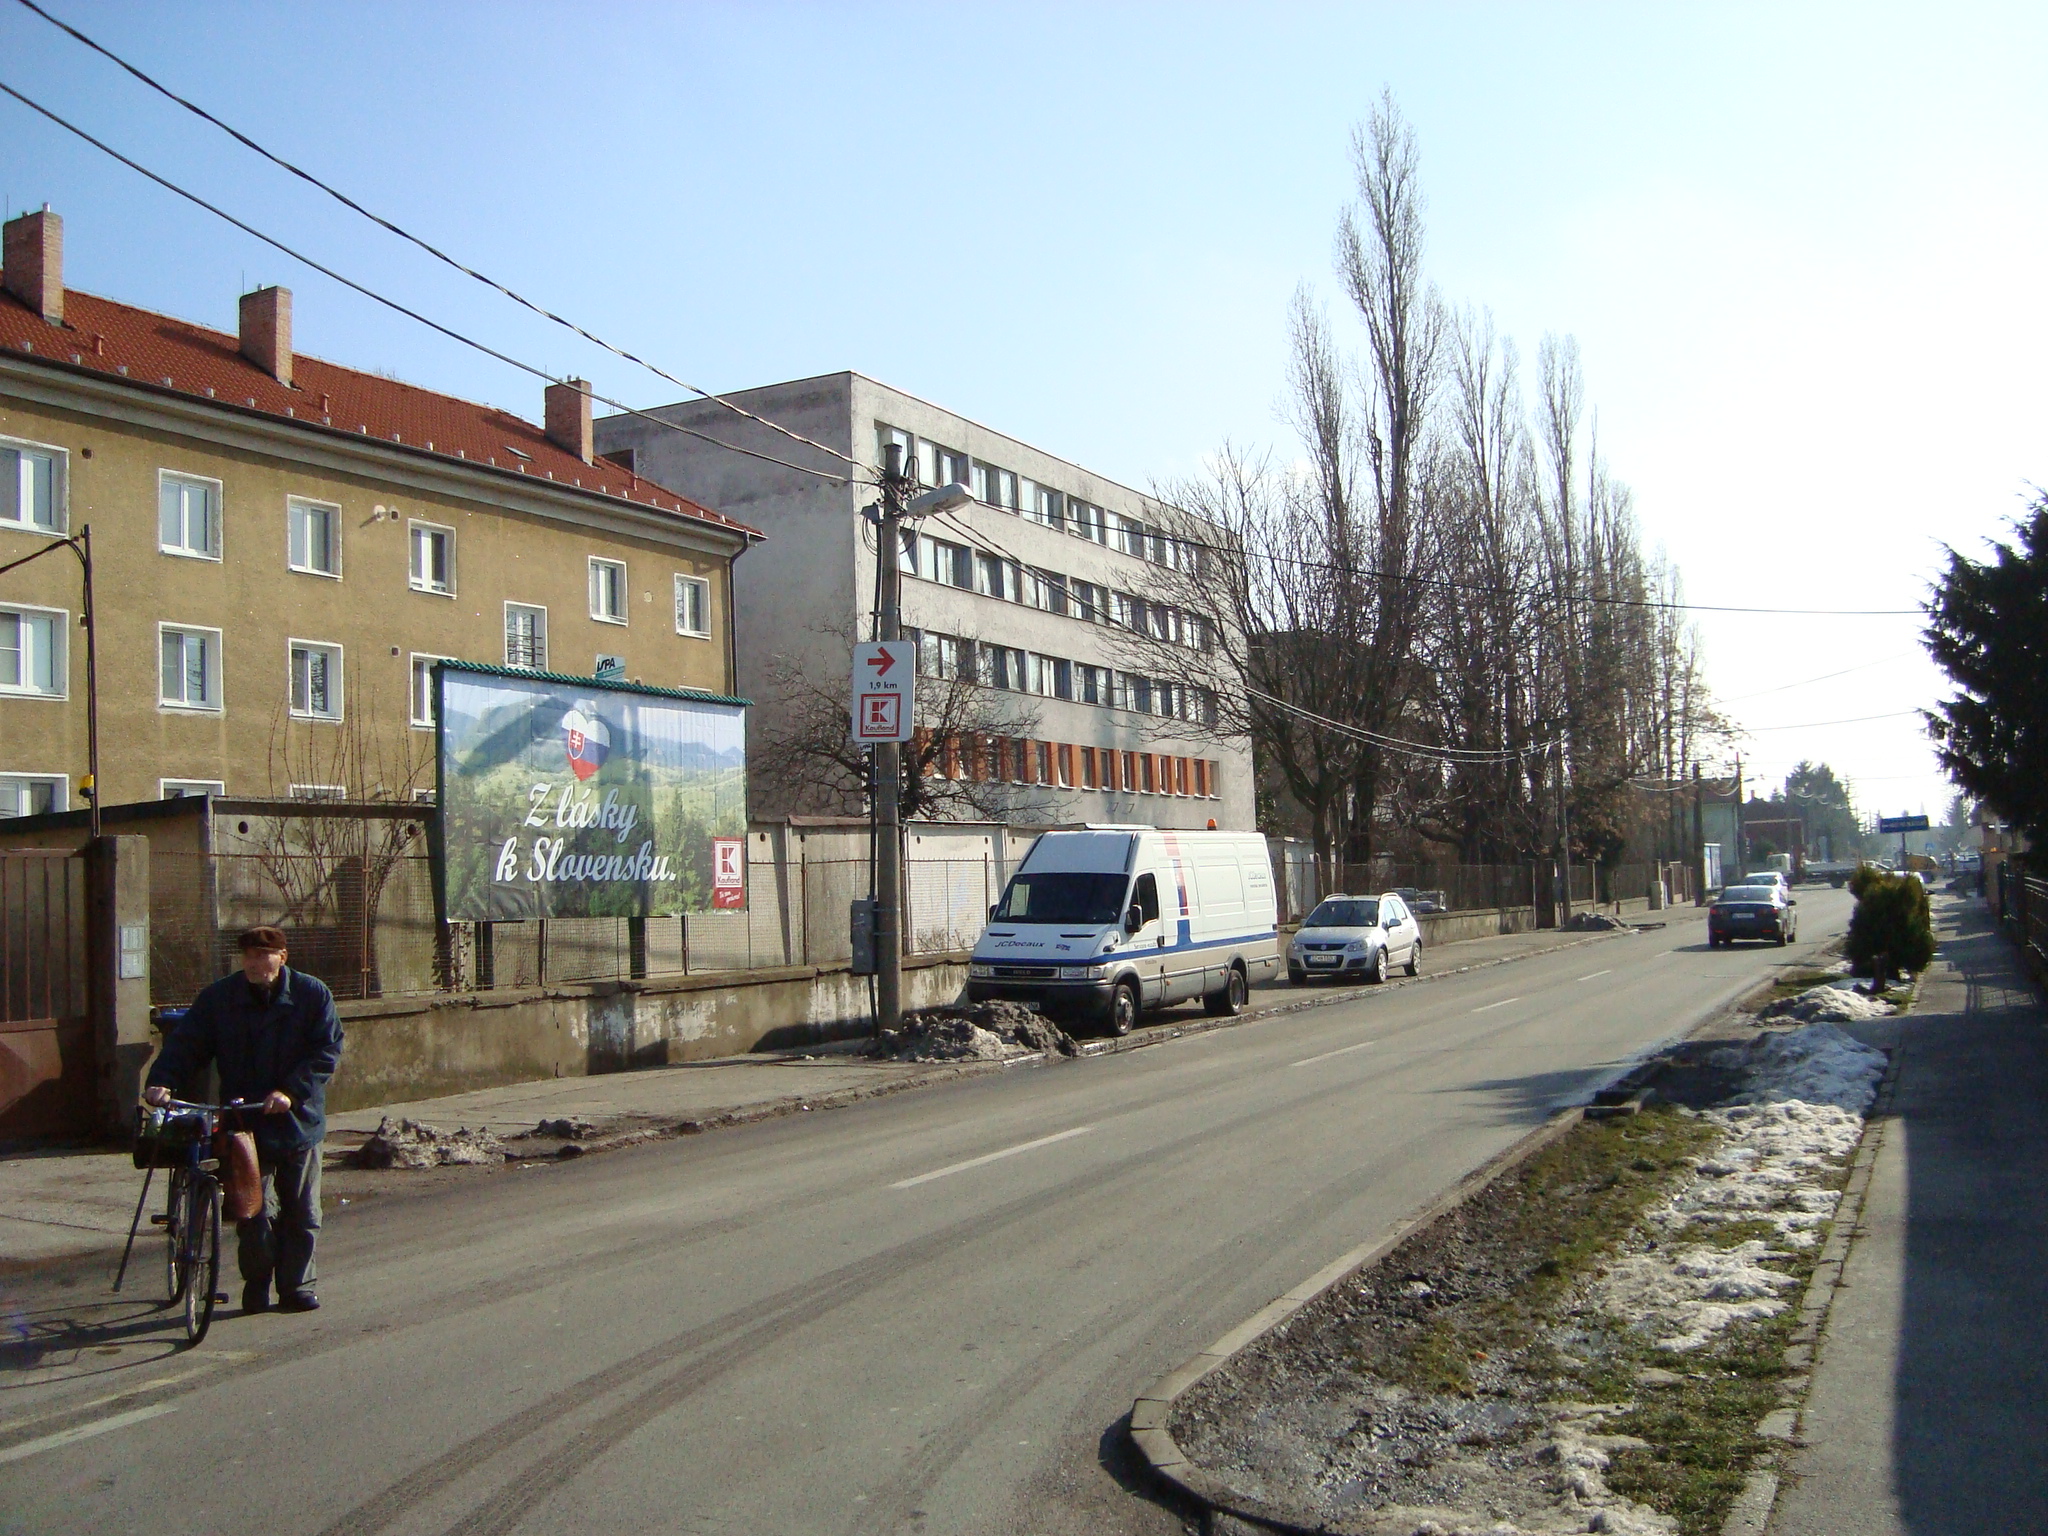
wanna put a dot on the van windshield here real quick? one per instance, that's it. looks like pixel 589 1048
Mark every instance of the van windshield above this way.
pixel 1051 897
pixel 1343 914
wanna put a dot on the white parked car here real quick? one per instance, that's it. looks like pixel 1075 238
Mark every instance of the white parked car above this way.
pixel 1355 936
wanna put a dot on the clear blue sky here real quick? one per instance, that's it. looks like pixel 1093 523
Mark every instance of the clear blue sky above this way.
pixel 1803 247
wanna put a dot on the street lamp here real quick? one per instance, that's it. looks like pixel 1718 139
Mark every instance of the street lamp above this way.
pixel 898 505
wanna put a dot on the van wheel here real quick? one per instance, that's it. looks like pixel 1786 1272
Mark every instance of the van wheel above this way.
pixel 1123 1009
pixel 1414 965
pixel 1228 1000
pixel 1377 971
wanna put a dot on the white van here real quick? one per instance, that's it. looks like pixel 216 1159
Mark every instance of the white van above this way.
pixel 1105 923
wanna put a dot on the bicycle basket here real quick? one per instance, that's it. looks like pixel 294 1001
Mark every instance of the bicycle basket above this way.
pixel 162 1137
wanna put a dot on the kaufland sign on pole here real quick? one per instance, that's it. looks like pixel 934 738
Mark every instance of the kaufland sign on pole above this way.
pixel 884 690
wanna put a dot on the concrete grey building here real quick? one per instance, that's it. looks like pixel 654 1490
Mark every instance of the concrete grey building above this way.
pixel 1030 596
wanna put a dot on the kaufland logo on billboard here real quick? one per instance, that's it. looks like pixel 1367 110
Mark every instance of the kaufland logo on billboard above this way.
pixel 588 740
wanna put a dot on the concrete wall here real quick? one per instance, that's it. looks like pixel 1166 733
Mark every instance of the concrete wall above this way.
pixel 414 1048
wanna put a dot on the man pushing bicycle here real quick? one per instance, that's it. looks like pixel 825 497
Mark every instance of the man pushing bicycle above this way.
pixel 273 1034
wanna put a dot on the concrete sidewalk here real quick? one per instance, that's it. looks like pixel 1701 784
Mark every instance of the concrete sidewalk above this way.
pixel 1929 1406
pixel 67 1203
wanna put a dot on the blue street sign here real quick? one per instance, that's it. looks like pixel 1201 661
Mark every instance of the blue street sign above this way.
pixel 1902 823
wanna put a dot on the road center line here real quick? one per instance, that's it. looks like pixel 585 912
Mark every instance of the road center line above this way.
pixel 85 1431
pixel 1596 975
pixel 1342 1050
pixel 1489 1007
pixel 990 1157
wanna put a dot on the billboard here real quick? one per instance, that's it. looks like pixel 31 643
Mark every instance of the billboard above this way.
pixel 574 797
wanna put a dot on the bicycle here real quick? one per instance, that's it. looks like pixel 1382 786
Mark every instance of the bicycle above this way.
pixel 191 1215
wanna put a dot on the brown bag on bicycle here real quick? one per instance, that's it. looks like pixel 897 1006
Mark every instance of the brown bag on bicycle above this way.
pixel 241 1177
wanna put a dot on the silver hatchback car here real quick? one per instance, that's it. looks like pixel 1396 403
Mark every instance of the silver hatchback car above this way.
pixel 1360 937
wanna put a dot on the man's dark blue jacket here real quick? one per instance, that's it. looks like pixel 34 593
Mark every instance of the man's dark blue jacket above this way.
pixel 292 1043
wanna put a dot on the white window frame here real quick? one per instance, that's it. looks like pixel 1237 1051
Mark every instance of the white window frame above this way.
pixel 421 720
pixel 166 477
pixel 60 487
pixel 616 568
pixel 60 801
pixel 703 586
pixel 318 792
pixel 188 788
pixel 337 695
pixel 214 702
pixel 542 634
pixel 414 527
pixel 60 649
pixel 293 507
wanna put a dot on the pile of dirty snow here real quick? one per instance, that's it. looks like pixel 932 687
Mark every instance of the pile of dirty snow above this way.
pixel 1815 1065
pixel 1800 1115
pixel 971 1032
pixel 415 1144
pixel 1830 1004
pixel 1594 922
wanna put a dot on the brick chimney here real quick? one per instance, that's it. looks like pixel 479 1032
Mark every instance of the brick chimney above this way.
pixel 267 332
pixel 568 418
pixel 33 256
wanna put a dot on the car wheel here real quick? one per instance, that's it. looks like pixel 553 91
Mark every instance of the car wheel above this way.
pixel 1784 938
pixel 1414 965
pixel 1123 1008
pixel 1376 972
pixel 1227 1001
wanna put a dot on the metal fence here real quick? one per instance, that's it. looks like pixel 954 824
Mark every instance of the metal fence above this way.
pixel 367 926
pixel 42 935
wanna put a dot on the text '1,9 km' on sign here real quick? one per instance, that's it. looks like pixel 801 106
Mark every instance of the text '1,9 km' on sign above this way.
pixel 573 797
pixel 884 690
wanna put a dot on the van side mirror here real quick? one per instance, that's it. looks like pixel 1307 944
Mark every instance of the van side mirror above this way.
pixel 1134 919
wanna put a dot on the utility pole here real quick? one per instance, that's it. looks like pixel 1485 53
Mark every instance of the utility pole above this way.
pixel 1741 836
pixel 888 762
pixel 898 505
pixel 1564 840
pixel 1699 839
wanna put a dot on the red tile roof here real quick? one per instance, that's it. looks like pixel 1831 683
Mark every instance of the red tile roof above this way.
pixel 159 354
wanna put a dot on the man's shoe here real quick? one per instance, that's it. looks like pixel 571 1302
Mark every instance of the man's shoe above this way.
pixel 256 1298
pixel 298 1301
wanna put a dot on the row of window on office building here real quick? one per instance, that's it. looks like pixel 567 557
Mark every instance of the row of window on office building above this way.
pixel 974 570
pixel 1012 492
pixel 957 658
pixel 1066 765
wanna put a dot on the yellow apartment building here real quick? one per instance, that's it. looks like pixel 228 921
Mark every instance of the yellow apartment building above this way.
pixel 282 547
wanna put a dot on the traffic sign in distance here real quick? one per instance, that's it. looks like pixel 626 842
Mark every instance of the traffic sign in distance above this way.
pixel 884 690
pixel 1902 823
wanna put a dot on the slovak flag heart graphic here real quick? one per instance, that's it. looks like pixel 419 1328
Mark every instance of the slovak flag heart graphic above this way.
pixel 588 741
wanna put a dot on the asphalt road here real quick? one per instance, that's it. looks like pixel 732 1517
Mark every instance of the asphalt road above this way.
pixel 928 1313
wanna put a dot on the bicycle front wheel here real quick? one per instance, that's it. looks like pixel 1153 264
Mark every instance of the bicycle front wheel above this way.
pixel 202 1255
pixel 174 1235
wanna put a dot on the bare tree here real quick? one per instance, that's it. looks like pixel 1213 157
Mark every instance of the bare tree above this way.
pixel 809 754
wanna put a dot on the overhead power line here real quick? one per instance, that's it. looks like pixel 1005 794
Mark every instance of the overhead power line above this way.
pixel 434 251
pixel 394 305
pixel 1470 756
pixel 1814 725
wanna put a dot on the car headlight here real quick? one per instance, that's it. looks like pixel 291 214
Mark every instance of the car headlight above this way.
pixel 1083 972
pixel 980 971
pixel 1355 947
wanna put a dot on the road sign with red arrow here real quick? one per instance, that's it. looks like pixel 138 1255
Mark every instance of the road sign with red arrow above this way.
pixel 884 681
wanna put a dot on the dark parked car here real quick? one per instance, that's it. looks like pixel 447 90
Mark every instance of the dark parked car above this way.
pixel 1752 912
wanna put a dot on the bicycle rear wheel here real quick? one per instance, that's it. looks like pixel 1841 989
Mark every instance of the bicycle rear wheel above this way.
pixel 174 1235
pixel 202 1255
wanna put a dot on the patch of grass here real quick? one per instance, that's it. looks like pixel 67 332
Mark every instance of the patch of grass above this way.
pixel 1784 987
pixel 1702 1430
pixel 1569 1206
